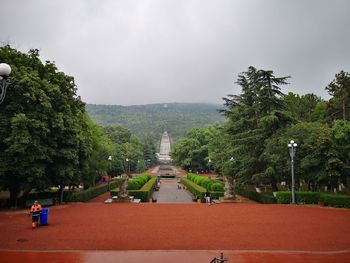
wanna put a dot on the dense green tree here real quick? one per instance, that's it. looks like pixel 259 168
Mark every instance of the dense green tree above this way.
pixel 339 89
pixel 118 134
pixel 306 107
pixel 191 152
pixel 101 148
pixel 42 120
pixel 341 138
pixel 150 121
pixel 254 117
pixel 149 152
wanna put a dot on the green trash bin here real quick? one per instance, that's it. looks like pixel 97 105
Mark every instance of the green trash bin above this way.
pixel 44 217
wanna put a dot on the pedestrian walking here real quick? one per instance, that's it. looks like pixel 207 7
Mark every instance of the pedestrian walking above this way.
pixel 207 197
pixel 35 212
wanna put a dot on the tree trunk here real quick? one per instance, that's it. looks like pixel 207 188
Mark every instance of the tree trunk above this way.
pixel 274 184
pixel 348 181
pixel 61 194
pixel 13 197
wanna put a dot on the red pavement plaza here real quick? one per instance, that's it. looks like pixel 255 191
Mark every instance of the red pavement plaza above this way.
pixel 230 227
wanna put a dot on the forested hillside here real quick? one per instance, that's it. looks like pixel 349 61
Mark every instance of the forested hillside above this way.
pixel 152 119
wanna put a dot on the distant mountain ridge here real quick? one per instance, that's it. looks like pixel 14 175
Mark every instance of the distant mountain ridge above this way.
pixel 151 120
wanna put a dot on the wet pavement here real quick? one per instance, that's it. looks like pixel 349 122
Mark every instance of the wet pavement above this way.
pixel 170 192
pixel 172 256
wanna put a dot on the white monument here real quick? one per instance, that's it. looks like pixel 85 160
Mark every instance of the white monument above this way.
pixel 164 152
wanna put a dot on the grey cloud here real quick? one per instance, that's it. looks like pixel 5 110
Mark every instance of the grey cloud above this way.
pixel 136 52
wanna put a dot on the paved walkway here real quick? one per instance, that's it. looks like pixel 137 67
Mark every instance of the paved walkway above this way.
pixel 169 193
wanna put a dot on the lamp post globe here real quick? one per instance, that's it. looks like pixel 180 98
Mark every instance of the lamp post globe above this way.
pixel 127 167
pixel 5 71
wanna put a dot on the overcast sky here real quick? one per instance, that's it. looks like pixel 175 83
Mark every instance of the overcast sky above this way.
pixel 143 51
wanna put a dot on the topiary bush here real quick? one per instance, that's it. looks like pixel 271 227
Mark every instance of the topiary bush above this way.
pixel 217 187
pixel 197 190
pixel 145 193
pixel 86 195
pixel 253 195
pixel 335 200
pixel 285 197
pixel 138 182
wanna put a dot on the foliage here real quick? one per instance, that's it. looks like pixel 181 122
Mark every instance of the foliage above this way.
pixel 144 193
pixel 217 187
pixel 86 195
pixel 191 152
pixel 42 126
pixel 76 195
pixel 197 190
pixel 285 197
pixel 149 121
pixel 129 147
pixel 251 146
pixel 138 182
pixel 253 195
pixel 206 183
pixel 334 200
pixel 339 89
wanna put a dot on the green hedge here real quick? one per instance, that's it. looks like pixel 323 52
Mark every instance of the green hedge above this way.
pixel 217 187
pixel 216 195
pixel 197 190
pixel 75 195
pixel 253 195
pixel 335 200
pixel 198 185
pixel 137 182
pixel 145 193
pixel 86 195
pixel 285 197
pixel 206 182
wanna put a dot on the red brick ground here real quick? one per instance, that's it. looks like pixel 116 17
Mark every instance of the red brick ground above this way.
pixel 231 227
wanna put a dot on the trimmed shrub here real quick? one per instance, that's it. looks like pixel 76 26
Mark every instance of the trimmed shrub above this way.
pixel 138 182
pixel 285 197
pixel 145 193
pixel 197 190
pixel 86 195
pixel 264 199
pixel 198 180
pixel 335 200
pixel 217 187
pixel 216 195
pixel 133 185
pixel 191 176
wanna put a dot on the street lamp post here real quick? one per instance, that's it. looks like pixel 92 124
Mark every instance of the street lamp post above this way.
pixel 127 167
pixel 209 163
pixel 5 71
pixel 109 174
pixel 292 150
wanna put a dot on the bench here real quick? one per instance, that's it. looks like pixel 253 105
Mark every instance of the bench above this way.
pixel 43 202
